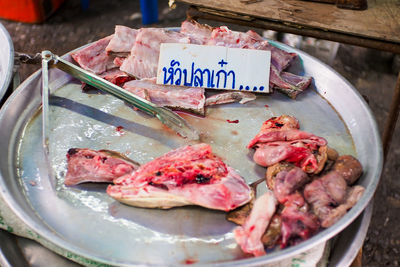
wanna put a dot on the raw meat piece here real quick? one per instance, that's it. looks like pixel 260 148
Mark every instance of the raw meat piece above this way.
pixel 116 76
pixel 273 170
pixel 349 168
pixel 229 97
pixel 122 42
pixel 292 84
pixel 86 165
pixel 190 99
pixel 298 223
pixel 288 83
pixel 190 175
pixel 198 33
pixel 353 195
pixel 283 128
pixel 287 182
pixel 249 235
pixel 222 36
pixel 143 60
pixel 280 140
pixel 330 197
pixel 94 57
pixel 118 61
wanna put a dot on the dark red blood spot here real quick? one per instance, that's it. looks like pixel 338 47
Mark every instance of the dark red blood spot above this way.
pixel 252 228
pixel 121 80
pixel 235 121
pixel 119 128
pixel 190 261
pixel 237 41
pixel 278 124
pixel 266 106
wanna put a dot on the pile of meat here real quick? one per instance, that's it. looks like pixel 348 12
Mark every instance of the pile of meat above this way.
pixel 311 188
pixel 129 58
pixel 190 175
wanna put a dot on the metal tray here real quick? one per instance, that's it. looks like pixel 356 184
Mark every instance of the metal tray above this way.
pixel 6 60
pixel 85 221
pixel 19 251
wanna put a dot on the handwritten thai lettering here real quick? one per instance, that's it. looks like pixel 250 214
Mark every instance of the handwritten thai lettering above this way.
pixel 210 78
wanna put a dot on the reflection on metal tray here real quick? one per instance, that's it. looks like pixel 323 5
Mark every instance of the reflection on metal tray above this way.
pixel 85 221
pixel 18 251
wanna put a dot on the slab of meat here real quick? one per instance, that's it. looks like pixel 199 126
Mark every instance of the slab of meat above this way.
pixel 122 42
pixel 143 60
pixel 249 235
pixel 281 140
pixel 190 175
pixel 86 165
pixel 94 57
pixel 190 99
pixel 198 33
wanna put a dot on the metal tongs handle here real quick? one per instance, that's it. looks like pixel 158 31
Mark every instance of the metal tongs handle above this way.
pixel 167 117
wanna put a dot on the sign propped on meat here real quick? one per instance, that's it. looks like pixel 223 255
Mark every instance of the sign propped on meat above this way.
pixel 214 67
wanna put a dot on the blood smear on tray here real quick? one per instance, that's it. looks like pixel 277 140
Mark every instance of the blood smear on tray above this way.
pixel 235 121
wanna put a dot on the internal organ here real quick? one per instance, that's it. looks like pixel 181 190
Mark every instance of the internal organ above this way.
pixel 330 197
pixel 281 140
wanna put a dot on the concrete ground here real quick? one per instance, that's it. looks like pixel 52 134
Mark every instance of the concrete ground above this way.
pixel 372 72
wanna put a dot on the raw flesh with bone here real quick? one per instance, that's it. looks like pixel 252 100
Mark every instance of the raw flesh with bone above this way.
pixel 176 97
pixel 122 42
pixel 94 57
pixel 143 60
pixel 198 33
pixel 86 165
pixel 190 175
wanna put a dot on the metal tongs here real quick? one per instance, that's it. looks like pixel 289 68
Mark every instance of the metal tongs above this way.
pixel 166 116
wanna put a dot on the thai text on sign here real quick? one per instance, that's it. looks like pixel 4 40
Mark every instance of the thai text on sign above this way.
pixel 214 67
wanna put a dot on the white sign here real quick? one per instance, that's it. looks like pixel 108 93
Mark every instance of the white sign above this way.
pixel 214 67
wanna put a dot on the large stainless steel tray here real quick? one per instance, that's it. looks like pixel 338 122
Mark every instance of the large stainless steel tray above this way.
pixel 19 251
pixel 6 60
pixel 85 221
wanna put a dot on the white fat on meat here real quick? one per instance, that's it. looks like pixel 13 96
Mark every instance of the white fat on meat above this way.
pixel 249 235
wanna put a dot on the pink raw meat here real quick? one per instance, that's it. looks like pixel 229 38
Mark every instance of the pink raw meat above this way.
pixel 190 175
pixel 143 60
pixel 190 99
